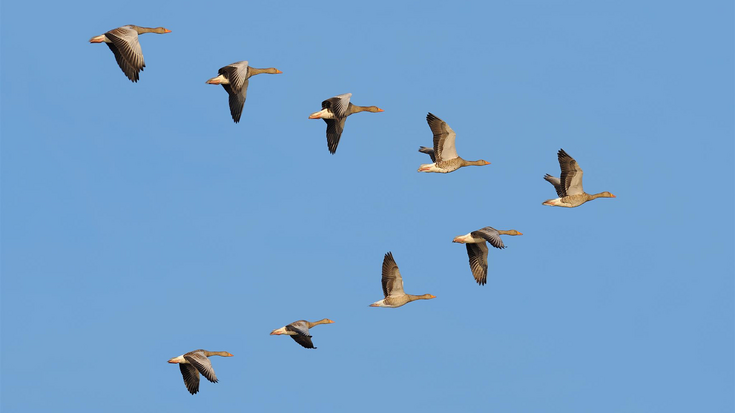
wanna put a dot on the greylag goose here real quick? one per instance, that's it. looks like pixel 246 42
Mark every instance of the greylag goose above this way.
pixel 444 153
pixel 569 187
pixel 299 331
pixel 477 248
pixel 124 44
pixel 334 112
pixel 195 362
pixel 393 286
pixel 234 78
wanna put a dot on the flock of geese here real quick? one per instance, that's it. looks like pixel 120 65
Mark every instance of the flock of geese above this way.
pixel 234 78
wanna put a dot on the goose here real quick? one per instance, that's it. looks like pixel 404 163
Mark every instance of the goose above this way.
pixel 334 112
pixel 195 362
pixel 477 248
pixel 569 187
pixel 299 331
pixel 393 286
pixel 444 155
pixel 234 78
pixel 124 44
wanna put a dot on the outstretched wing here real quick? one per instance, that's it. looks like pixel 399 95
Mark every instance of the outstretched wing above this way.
pixel 302 333
pixel 557 185
pixel 392 280
pixel 444 138
pixel 338 105
pixel 126 48
pixel 334 132
pixel 490 235
pixel 202 364
pixel 237 99
pixel 428 151
pixel 236 74
pixel 191 377
pixel 571 174
pixel 478 261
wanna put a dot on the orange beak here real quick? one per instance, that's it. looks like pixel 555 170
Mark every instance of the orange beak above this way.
pixel 380 110
pixel 278 71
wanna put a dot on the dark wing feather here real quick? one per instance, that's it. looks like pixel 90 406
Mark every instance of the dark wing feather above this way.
pixel 490 235
pixel 571 174
pixel 237 100
pixel 334 132
pixel 299 327
pixel 428 151
pixel 202 364
pixel 478 261
pixel 444 138
pixel 304 341
pixel 236 74
pixel 131 72
pixel 392 281
pixel 127 51
pixel 338 105
pixel 557 185
pixel 191 377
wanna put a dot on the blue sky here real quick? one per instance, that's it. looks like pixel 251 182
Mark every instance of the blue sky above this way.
pixel 139 222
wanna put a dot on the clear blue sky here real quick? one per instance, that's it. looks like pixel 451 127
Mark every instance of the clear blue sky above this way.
pixel 139 222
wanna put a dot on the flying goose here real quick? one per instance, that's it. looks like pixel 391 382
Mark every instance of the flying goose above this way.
pixel 334 112
pixel 299 331
pixel 477 248
pixel 195 362
pixel 444 153
pixel 393 286
pixel 124 44
pixel 569 187
pixel 234 78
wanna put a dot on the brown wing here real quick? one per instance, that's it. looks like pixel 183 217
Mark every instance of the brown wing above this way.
pixel 478 261
pixel 304 341
pixel 392 280
pixel 191 377
pixel 236 74
pixel 302 333
pixel 490 235
pixel 202 364
pixel 338 105
pixel 334 132
pixel 127 51
pixel 428 151
pixel 571 174
pixel 557 185
pixel 237 100
pixel 444 138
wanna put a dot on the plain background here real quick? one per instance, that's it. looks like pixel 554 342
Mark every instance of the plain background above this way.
pixel 139 222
